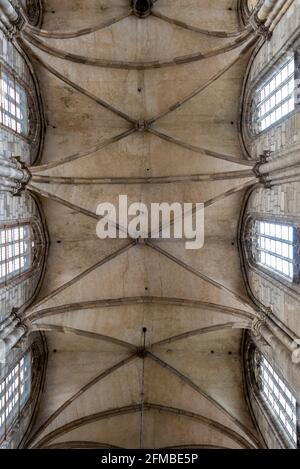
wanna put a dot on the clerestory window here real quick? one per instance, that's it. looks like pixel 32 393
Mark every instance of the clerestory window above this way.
pixel 276 97
pixel 14 393
pixel 14 113
pixel 278 397
pixel 276 248
pixel 16 251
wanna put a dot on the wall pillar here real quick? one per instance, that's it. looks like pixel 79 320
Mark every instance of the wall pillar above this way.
pixel 286 350
pixel 274 171
pixel 11 17
pixel 14 175
pixel 268 15
pixel 287 161
pixel 270 9
pixel 11 332
pixel 9 11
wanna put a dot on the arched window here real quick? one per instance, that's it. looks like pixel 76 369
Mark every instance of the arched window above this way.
pixel 275 98
pixel 275 247
pixel 277 396
pixel 16 250
pixel 14 114
pixel 14 393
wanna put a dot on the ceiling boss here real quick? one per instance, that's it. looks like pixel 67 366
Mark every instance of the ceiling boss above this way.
pixel 142 8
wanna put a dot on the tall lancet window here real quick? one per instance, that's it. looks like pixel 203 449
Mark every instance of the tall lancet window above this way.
pixel 276 97
pixel 278 398
pixel 14 114
pixel 276 248
pixel 14 393
pixel 16 251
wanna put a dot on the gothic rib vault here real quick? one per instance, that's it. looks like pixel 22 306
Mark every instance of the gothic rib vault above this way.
pixel 142 107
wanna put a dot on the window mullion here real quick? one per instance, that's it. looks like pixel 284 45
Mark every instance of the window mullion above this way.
pixel 274 238
pixel 279 256
pixel 12 412
pixel 278 400
pixel 273 397
pixel 277 106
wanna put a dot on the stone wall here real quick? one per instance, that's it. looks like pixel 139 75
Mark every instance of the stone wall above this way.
pixel 21 290
pixel 284 41
pixel 279 203
pixel 17 210
pixel 282 204
pixel 24 208
pixel 12 144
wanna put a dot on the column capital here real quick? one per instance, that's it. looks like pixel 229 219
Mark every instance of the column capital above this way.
pixel 259 27
pixel 265 313
pixel 263 178
pixel 14 175
pixel 12 18
pixel 256 330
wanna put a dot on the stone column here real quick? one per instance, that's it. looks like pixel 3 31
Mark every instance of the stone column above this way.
pixel 10 341
pixel 288 173
pixel 277 12
pixel 11 17
pixel 267 333
pixel 9 11
pixel 12 330
pixel 14 175
pixel 274 171
pixel 287 161
pixel 268 15
pixel 270 9
pixel 7 320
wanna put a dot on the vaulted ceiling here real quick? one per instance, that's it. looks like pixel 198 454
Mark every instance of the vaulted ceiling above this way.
pixel 144 108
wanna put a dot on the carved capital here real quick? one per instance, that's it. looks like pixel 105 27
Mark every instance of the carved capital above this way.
pixel 265 314
pixel 22 167
pixel 16 175
pixel 259 27
pixel 264 181
pixel 14 19
pixel 257 325
pixel 263 178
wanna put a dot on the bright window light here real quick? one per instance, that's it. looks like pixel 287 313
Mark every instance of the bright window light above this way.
pixel 14 393
pixel 15 251
pixel 279 399
pixel 275 245
pixel 276 97
pixel 13 104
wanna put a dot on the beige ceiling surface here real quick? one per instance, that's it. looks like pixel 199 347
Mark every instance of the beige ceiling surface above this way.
pixel 103 387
